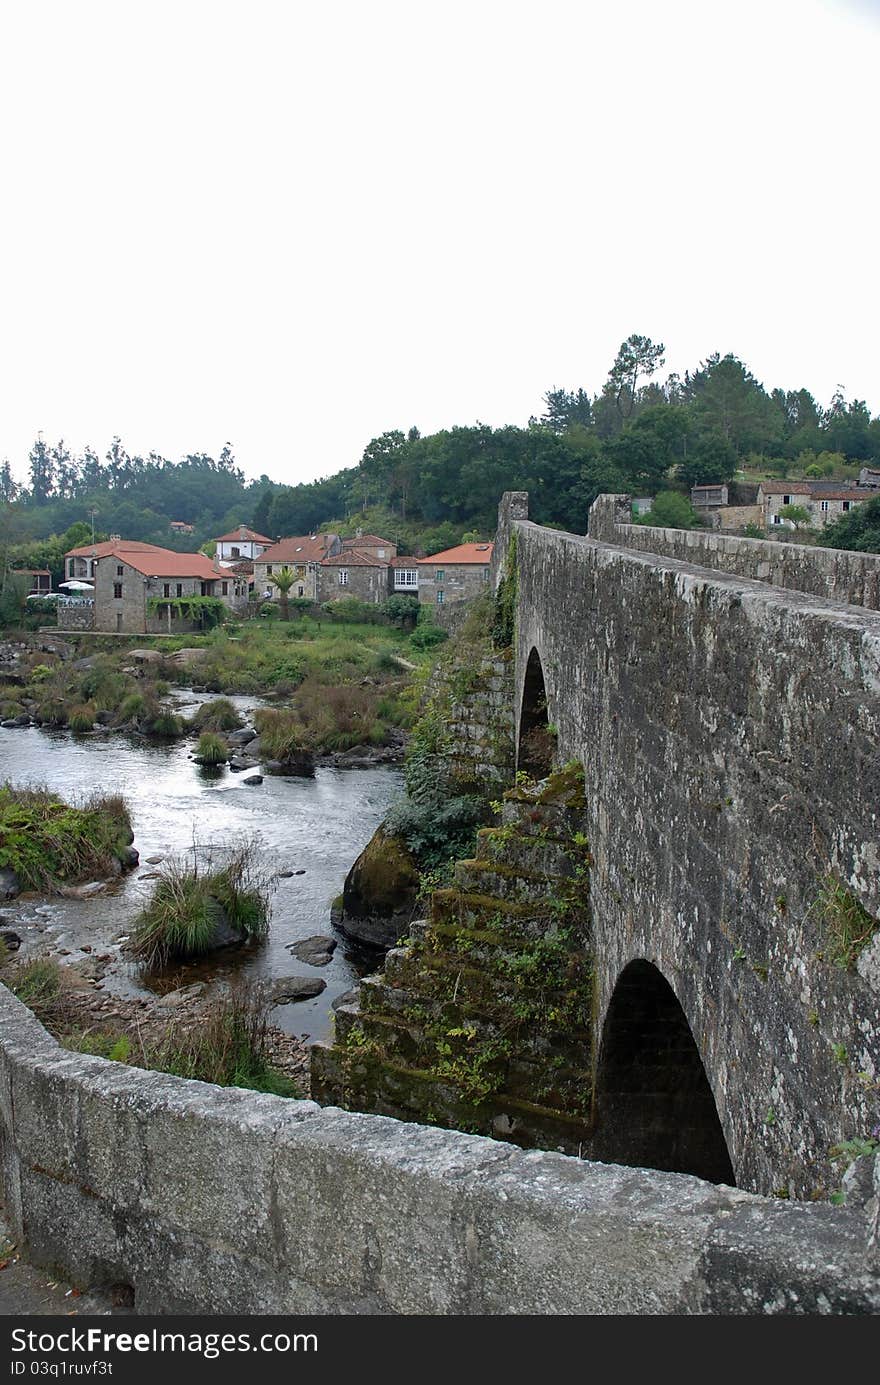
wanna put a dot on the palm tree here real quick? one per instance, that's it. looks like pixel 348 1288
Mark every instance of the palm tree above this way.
pixel 283 580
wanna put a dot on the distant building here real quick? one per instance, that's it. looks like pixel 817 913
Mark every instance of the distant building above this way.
pixel 129 577
pixel 79 563
pixel 354 573
pixel 704 497
pixel 823 502
pixel 455 574
pixel 405 576
pixel 870 478
pixel 303 554
pixel 241 543
pixel 179 526
pixel 372 544
pixel 39 579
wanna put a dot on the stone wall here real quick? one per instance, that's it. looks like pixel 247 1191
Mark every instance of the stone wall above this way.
pixel 213 1200
pixel 76 615
pixel 730 734
pixel 826 572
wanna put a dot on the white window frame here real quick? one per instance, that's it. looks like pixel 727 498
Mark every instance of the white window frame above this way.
pixel 343 577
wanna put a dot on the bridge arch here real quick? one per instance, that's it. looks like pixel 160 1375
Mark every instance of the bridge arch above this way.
pixel 536 746
pixel 654 1105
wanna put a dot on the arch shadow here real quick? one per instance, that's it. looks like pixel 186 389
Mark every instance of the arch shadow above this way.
pixel 653 1103
pixel 536 746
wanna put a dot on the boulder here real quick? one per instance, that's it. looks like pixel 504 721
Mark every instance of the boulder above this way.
pixel 380 892
pixel 129 857
pixel 243 737
pixel 315 951
pixel 9 884
pixel 287 989
pixel 240 762
pixel 253 780
pixel 145 656
pixel 300 763
pixel 11 939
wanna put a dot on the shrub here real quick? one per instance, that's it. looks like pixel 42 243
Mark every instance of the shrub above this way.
pixel 230 1049
pixel 189 904
pixel 219 715
pixel 52 711
pixel 45 840
pixel 281 734
pixel 427 636
pixel 163 723
pixel 37 983
pixel 82 718
pixel 211 749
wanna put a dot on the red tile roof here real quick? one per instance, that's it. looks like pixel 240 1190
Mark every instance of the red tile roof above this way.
pixel 245 535
pixel 309 548
pixel 163 563
pixel 464 553
pixel 368 541
pixel 102 550
pixel 405 560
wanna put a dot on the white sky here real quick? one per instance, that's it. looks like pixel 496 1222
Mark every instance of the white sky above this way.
pixel 295 225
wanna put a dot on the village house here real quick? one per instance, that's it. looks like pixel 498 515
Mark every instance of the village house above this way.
pixel 136 588
pixel 455 574
pixel 372 545
pixel 241 543
pixel 405 576
pixel 354 573
pixel 180 526
pixel 39 579
pixel 824 501
pixel 79 563
pixel 302 555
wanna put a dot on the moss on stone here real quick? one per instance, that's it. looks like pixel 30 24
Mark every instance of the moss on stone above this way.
pixel 384 879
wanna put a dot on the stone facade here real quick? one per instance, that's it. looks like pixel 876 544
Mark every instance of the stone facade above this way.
pixel 353 574
pixel 303 556
pixel 730 734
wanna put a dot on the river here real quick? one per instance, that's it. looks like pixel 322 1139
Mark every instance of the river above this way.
pixel 313 827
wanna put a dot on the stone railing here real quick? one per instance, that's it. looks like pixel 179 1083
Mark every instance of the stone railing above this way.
pixel 205 1199
pixel 830 573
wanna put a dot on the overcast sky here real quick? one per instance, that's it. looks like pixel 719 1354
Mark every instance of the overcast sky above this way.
pixel 295 225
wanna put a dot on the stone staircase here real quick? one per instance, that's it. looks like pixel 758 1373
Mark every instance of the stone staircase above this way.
pixel 482 1018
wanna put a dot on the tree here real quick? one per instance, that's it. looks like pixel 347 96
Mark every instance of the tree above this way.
pixel 42 478
pixel 671 510
pixel 859 530
pixel 599 476
pixel 637 356
pixel 797 515
pixel 711 462
pixel 283 579
pixel 562 408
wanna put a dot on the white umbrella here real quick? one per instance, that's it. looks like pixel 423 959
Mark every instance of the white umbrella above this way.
pixel 78 586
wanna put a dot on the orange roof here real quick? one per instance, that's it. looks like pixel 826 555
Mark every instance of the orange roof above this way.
pixel 245 535
pixel 464 553
pixel 354 558
pixel 161 562
pixel 309 548
pixel 103 550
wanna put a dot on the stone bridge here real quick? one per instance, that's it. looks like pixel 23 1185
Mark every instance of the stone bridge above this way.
pixel 723 696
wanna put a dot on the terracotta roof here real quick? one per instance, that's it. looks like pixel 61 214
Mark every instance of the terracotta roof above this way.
pixel 308 548
pixel 464 553
pixel 163 563
pixel 785 488
pixel 245 535
pixel 406 560
pixel 851 494
pixel 102 550
pixel 354 558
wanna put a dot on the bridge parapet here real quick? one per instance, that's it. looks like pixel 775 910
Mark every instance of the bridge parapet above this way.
pixel 831 573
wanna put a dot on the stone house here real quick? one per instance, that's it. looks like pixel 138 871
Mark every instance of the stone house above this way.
pixel 241 543
pixel 39 579
pixel 79 563
pixel 354 574
pixel 303 554
pixel 372 545
pixel 129 576
pixel 405 576
pixel 455 574
pixel 823 501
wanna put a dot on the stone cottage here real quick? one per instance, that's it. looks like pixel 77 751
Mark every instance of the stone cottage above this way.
pixel 824 501
pixel 241 543
pixel 354 573
pixel 372 545
pixel 303 554
pixel 129 577
pixel 455 574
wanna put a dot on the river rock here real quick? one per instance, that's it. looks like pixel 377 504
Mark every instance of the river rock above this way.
pixel 301 764
pixel 380 892
pixel 253 780
pixel 188 656
pixel 11 939
pixel 145 656
pixel 240 762
pixel 243 737
pixel 315 951
pixel 129 857
pixel 12 722
pixel 287 989
pixel 9 884
pixel 154 860
pixel 347 998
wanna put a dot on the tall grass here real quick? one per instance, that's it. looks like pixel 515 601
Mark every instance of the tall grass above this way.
pixel 46 841
pixel 281 733
pixel 211 749
pixel 191 902
pixel 231 1048
pixel 219 715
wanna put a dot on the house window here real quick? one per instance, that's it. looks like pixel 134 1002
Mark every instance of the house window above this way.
pixel 300 591
pixel 823 506
pixel 236 552
pixel 224 588
pixel 166 590
pixel 438 575
pixel 786 500
pixel 485 574
pixel 440 597
pixel 406 577
pixel 847 505
pixel 120 570
pixel 180 589
pixel 777 519
pixel 268 569
pixel 117 591
pixel 343 577
pixel 381 552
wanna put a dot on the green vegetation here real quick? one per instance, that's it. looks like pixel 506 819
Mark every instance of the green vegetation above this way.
pixel 37 982
pixel 230 1049
pixel 219 715
pixel 848 925
pixel 211 749
pixel 671 510
pixel 190 904
pixel 859 530
pixel 48 842
pixel 209 611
